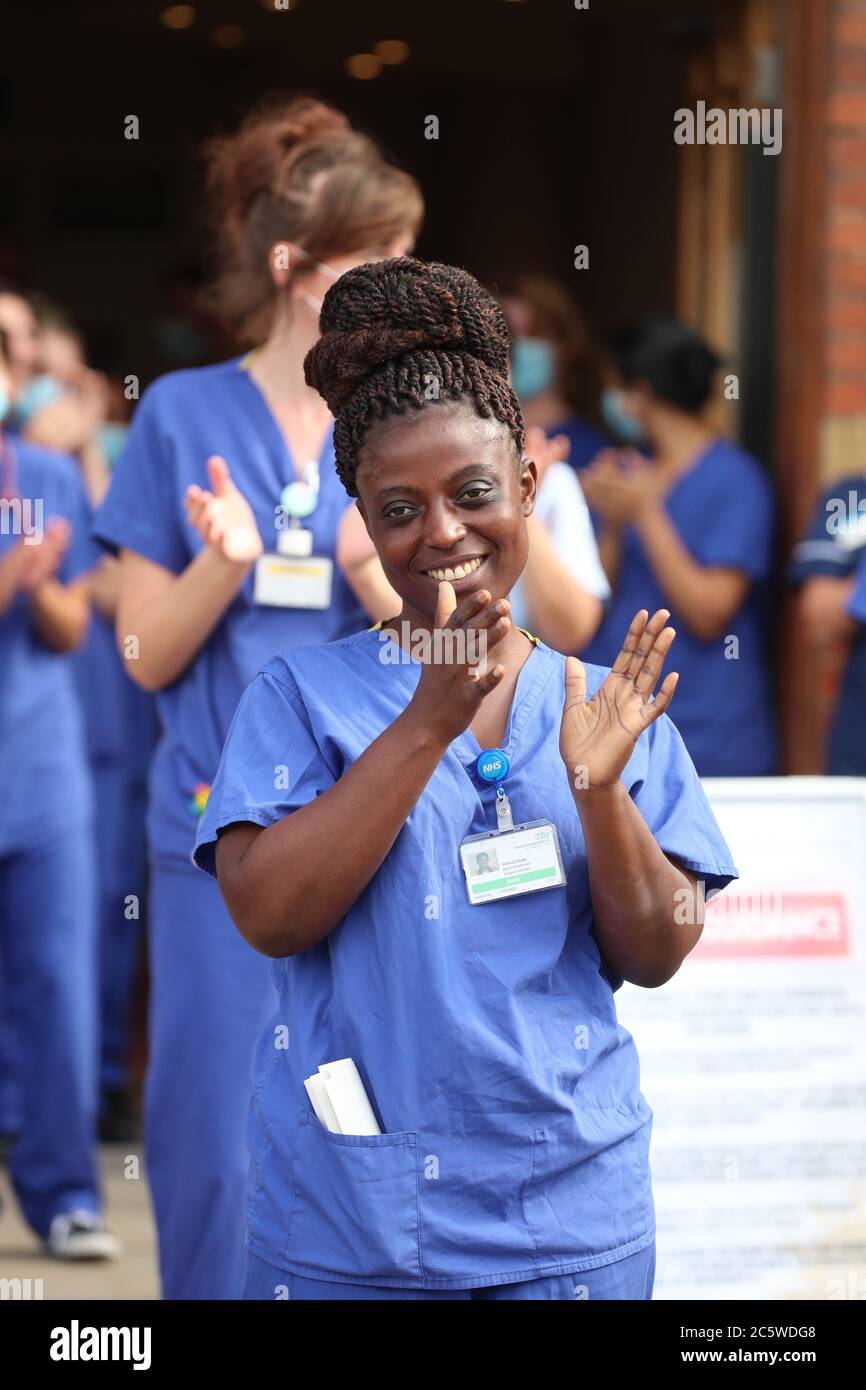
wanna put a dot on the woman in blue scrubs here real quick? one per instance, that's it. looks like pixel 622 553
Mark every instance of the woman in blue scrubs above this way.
pixel 63 407
pixel 690 527
pixel 47 905
pixel 223 464
pixel 511 1157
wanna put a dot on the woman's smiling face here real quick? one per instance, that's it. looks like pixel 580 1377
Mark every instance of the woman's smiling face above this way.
pixel 444 497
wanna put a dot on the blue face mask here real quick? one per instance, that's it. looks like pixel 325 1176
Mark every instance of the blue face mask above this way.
pixel 111 438
pixel 618 419
pixel 39 392
pixel 533 367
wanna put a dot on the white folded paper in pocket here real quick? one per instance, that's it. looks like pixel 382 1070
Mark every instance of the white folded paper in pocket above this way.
pixel 338 1097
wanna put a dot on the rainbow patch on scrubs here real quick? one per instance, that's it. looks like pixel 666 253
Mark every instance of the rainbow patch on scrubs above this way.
pixel 198 800
pixel 514 1136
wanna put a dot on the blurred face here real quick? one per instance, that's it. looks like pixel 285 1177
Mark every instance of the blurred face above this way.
pixel 5 389
pixel 520 316
pixel 444 497
pixel 627 409
pixel 60 353
pixel 18 321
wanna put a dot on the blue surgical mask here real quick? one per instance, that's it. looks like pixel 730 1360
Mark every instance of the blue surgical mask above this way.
pixel 533 367
pixel 111 439
pixel 617 417
pixel 39 392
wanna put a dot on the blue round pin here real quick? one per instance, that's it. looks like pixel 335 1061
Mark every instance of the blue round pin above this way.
pixel 492 765
pixel 299 499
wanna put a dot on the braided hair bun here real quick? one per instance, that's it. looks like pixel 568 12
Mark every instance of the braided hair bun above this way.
pixel 400 334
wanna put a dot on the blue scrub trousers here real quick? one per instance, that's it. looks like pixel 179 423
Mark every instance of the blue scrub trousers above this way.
pixel 10 1104
pixel 630 1278
pixel 210 998
pixel 48 963
pixel 120 849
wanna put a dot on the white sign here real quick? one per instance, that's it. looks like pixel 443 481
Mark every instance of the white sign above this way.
pixel 753 1058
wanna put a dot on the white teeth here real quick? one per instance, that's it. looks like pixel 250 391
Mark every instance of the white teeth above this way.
pixel 459 572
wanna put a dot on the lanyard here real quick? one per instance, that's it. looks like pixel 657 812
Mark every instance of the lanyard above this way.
pixel 492 766
pixel 9 476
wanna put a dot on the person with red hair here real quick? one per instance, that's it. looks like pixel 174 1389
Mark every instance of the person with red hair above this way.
pixel 225 509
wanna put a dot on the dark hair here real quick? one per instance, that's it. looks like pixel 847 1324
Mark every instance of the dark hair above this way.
pixel 4 347
pixel 401 334
pixel 675 362
pixel 296 171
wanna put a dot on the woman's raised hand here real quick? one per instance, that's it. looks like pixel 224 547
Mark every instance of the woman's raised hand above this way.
pixel 597 736
pixel 223 517
pixel 545 449
pixel 41 562
pixel 457 673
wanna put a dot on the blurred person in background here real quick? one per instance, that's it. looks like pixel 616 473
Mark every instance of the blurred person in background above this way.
pixel 554 365
pixel 829 567
pixel 212 584
pixel 687 524
pixel 560 595
pixel 64 405
pixel 47 873
pixel 20 328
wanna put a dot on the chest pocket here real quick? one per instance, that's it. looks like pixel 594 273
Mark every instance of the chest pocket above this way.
pixel 355 1209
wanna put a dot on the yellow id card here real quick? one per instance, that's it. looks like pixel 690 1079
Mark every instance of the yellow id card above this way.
pixel 284 581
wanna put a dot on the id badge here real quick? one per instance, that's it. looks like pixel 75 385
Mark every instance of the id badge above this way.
pixel 503 863
pixel 284 581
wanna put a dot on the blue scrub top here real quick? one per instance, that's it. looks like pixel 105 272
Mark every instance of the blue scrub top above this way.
pixel 515 1136
pixel 586 441
pixel 182 420
pixel 119 717
pixel 722 509
pixel 835 546
pixel 43 764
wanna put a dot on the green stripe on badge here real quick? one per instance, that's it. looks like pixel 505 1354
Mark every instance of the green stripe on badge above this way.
pixel 513 879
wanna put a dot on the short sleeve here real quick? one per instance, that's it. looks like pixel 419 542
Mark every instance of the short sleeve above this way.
pixel 857 601
pixel 271 764
pixel 563 510
pixel 826 549
pixel 674 805
pixel 140 511
pixel 736 525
